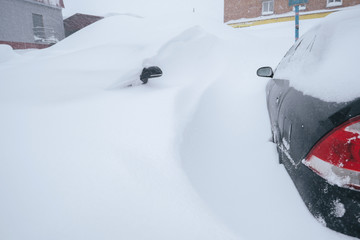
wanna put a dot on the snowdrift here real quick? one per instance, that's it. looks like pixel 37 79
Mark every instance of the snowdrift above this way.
pixel 184 157
pixel 6 53
pixel 324 62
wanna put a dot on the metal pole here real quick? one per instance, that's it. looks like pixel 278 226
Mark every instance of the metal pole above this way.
pixel 296 22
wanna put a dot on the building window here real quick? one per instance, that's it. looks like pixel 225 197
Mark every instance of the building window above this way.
pixel 38 27
pixel 267 7
pixel 41 33
pixel 333 3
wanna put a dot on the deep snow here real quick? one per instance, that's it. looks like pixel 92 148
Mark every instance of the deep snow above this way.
pixel 324 62
pixel 186 156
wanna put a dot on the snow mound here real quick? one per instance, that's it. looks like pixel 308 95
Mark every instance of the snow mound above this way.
pixel 324 62
pixel 6 53
pixel 185 156
pixel 98 164
pixel 173 57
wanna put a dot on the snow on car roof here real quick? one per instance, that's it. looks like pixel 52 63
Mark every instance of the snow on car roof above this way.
pixel 323 63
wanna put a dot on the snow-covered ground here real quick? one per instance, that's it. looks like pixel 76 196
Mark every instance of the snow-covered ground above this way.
pixel 186 156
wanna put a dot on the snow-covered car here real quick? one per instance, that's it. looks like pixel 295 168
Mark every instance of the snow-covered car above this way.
pixel 313 101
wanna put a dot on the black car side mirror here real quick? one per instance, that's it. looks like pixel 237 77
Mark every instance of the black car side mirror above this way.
pixel 265 72
pixel 150 72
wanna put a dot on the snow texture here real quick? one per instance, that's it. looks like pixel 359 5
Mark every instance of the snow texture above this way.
pixel 333 174
pixel 6 53
pixel 185 156
pixel 50 2
pixel 321 220
pixel 338 209
pixel 323 63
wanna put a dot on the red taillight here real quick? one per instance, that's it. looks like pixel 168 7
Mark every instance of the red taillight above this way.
pixel 336 157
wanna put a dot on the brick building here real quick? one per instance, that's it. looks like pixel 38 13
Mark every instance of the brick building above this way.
pixel 31 23
pixel 237 9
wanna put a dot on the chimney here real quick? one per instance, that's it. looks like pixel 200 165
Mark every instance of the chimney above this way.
pixel 61 2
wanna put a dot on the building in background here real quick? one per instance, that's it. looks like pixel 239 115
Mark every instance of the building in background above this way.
pixel 31 23
pixel 78 21
pixel 245 9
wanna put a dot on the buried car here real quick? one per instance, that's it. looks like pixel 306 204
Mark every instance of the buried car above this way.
pixel 313 101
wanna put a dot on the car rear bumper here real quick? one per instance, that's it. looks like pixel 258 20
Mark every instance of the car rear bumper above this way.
pixel 335 207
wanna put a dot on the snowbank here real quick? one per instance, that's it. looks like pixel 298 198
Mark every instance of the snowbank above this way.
pixel 184 157
pixel 323 63
pixel 81 162
pixel 6 53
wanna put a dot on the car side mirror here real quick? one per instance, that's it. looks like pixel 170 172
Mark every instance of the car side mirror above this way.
pixel 150 72
pixel 265 72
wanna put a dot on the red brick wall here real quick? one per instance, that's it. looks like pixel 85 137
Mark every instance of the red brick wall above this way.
pixel 236 9
pixel 21 45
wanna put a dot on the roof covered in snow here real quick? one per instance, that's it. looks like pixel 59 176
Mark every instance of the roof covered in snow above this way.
pixel 58 3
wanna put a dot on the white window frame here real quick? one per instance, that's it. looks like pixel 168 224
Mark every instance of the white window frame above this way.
pixel 266 5
pixel 333 3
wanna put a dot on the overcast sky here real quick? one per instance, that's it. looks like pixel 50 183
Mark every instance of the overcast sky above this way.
pixel 145 8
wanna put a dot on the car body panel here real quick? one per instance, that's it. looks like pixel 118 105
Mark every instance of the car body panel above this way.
pixel 298 122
